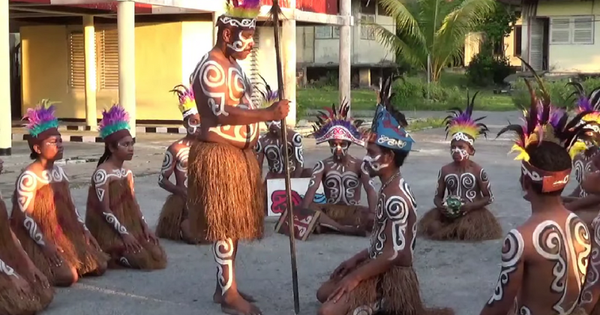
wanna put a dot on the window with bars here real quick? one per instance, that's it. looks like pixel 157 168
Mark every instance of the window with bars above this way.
pixel 323 32
pixel 574 30
pixel 366 29
pixel 107 59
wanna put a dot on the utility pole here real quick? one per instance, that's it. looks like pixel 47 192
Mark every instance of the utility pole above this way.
pixel 345 52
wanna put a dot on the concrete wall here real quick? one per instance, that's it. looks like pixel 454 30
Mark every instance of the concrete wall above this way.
pixel 166 54
pixel 573 58
pixel 317 51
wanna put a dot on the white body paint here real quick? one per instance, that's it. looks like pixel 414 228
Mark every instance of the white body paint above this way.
pixel 27 185
pixel 394 210
pixel 223 254
pixel 101 179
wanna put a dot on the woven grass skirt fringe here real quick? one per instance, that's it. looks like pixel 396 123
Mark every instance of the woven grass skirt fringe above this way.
pixel 397 290
pixel 346 215
pixel 16 302
pixel 171 216
pixel 225 193
pixel 477 225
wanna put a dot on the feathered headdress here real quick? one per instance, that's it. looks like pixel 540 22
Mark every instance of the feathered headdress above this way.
pixel 462 127
pixel 388 125
pixel 268 97
pixel 114 124
pixel 187 103
pixel 334 124
pixel 41 122
pixel 591 104
pixel 241 13
pixel 543 122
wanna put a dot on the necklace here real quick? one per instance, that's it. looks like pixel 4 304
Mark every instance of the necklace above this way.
pixel 389 181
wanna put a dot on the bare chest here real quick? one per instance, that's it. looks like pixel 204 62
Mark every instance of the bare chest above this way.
pixel 275 156
pixel 341 183
pixel 463 185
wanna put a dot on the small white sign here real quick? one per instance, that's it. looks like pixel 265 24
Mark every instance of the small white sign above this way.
pixel 276 196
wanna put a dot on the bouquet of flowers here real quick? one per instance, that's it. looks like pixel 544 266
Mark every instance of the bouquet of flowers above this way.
pixel 453 205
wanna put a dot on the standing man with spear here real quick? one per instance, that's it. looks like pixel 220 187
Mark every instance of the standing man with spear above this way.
pixel 225 191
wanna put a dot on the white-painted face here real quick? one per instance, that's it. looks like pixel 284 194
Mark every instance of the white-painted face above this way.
pixel 339 148
pixel 192 124
pixel 374 164
pixel 243 43
pixel 459 154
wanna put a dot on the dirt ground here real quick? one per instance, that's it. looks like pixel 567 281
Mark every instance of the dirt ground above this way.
pixel 452 274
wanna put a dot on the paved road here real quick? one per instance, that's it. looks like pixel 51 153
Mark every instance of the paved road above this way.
pixel 458 275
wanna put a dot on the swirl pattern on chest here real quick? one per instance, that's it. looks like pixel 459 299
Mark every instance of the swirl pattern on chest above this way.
pixel 463 185
pixel 512 253
pixel 582 168
pixel 341 187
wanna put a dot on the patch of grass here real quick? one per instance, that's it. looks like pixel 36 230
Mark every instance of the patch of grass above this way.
pixel 427 123
pixel 365 99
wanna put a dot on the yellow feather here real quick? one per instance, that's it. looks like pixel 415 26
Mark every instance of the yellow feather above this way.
pixel 523 155
pixel 577 148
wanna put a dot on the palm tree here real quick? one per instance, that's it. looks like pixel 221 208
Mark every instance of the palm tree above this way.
pixel 434 29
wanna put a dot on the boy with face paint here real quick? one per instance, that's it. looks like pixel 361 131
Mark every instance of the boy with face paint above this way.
pixel 226 193
pixel 269 145
pixel 381 278
pixel 543 266
pixel 173 222
pixel 580 201
pixel 113 214
pixel 342 177
pixel 463 187
pixel 24 289
pixel 44 216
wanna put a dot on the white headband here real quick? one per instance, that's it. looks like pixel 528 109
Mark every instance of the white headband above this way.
pixel 190 112
pixel 460 136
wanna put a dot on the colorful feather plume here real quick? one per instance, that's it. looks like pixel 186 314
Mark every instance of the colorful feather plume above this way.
pixel 385 96
pixel 589 102
pixel 544 122
pixel 268 95
pixel 41 118
pixel 462 121
pixel 187 103
pixel 113 120
pixel 332 119
pixel 246 9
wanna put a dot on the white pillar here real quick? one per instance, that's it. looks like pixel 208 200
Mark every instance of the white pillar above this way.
pixel 215 18
pixel 345 51
pixel 126 29
pixel 89 38
pixel 288 50
pixel 5 102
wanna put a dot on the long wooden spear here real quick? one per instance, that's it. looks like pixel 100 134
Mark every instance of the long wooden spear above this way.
pixel 275 12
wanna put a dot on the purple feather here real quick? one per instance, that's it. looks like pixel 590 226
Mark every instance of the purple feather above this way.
pixel 114 115
pixel 39 115
pixel 250 4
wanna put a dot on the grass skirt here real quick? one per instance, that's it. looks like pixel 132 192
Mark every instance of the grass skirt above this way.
pixel 225 193
pixel 125 208
pixel 477 225
pixel 398 289
pixel 55 216
pixel 171 215
pixel 10 299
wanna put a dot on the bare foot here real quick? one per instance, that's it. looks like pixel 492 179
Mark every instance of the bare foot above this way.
pixel 235 304
pixel 218 297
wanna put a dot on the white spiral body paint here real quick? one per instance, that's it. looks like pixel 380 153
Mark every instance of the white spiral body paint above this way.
pixel 101 181
pixel 241 44
pixel 394 208
pixel 374 163
pixel 7 270
pixel 463 185
pixel 318 169
pixel 512 252
pixel 342 187
pixel 583 166
pixel 593 272
pixel 223 254
pixel 27 185
pixel 464 154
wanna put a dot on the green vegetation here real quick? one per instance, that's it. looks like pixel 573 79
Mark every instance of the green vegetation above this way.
pixel 423 124
pixel 434 29
pixel 560 92
pixel 411 94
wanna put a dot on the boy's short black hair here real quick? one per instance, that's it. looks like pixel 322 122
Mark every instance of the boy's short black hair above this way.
pixel 548 156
